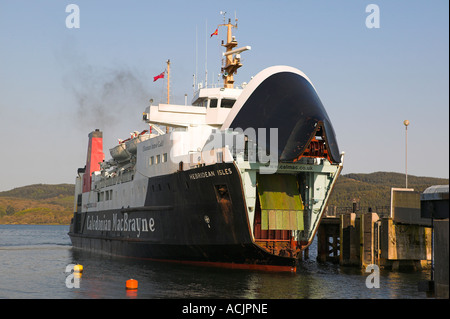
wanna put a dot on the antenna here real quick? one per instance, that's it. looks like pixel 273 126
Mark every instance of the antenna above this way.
pixel 206 53
pixel 223 13
pixel 232 57
pixel 196 58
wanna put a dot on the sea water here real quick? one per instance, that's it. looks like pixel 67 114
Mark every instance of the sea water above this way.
pixel 35 263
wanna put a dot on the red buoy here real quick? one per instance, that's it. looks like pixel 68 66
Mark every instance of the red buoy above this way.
pixel 132 284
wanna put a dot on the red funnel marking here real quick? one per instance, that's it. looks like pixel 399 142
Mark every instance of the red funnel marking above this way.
pixel 94 157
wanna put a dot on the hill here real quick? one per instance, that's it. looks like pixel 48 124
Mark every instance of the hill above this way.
pixel 53 204
pixel 374 189
pixel 40 191
pixel 37 204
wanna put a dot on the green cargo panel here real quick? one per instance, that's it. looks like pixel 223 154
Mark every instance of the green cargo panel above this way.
pixel 281 203
pixel 264 219
pixel 300 225
pixel 281 220
pixel 277 191
pixel 272 219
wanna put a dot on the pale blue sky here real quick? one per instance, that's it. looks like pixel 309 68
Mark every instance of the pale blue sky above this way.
pixel 58 84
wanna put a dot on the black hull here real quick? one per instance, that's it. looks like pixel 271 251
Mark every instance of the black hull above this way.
pixel 187 217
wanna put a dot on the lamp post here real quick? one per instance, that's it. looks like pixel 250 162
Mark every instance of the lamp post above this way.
pixel 406 123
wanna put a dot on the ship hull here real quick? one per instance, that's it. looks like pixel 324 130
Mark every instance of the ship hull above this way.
pixel 242 256
pixel 197 216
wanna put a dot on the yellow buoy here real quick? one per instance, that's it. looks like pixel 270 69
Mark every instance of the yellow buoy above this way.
pixel 78 268
pixel 132 284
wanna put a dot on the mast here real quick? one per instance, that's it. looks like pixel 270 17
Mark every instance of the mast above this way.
pixel 233 57
pixel 168 81
pixel 168 88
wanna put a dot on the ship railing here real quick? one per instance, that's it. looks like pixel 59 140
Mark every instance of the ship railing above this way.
pixel 337 211
pixel 113 180
pixel 216 155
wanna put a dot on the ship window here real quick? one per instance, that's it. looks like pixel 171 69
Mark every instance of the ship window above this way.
pixel 158 159
pixel 227 104
pixel 198 103
pixel 152 160
pixel 213 103
pixel 201 102
pixel 164 158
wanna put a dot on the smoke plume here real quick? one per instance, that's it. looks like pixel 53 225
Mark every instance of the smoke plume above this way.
pixel 106 96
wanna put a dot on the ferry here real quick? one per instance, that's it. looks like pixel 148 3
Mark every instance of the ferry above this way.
pixel 240 178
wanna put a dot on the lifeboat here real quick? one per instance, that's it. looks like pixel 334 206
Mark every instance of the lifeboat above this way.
pixel 128 148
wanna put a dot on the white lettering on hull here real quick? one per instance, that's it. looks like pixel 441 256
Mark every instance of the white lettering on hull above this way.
pixel 122 224
pixel 219 172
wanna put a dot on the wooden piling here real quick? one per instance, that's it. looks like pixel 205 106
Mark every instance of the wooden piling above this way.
pixel 368 239
pixel 328 240
pixel 349 234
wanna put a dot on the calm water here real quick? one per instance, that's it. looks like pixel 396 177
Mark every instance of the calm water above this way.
pixel 33 261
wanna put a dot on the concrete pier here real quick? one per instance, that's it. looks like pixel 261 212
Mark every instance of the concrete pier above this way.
pixel 366 239
pixel 413 236
pixel 404 246
pixel 434 206
pixel 441 258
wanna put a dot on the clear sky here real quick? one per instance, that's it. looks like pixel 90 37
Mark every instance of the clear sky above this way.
pixel 57 84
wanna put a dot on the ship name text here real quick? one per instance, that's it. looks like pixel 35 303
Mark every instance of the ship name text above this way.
pixel 122 224
pixel 213 173
pixel 153 146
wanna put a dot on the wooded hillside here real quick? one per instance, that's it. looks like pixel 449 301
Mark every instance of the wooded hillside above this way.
pixel 374 189
pixel 37 204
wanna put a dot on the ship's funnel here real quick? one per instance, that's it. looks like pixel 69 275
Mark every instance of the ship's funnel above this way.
pixel 94 157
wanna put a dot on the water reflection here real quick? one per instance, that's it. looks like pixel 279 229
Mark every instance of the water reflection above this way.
pixel 105 277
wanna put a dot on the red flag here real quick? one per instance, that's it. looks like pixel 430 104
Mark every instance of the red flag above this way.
pixel 160 76
pixel 215 33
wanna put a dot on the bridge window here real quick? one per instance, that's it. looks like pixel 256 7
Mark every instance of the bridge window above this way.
pixel 227 103
pixel 201 102
pixel 213 103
